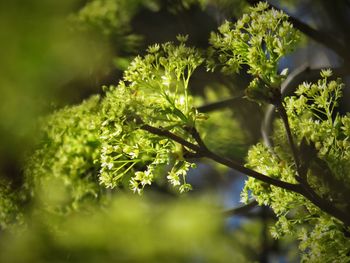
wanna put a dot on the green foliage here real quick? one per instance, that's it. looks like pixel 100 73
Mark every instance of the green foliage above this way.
pixel 323 136
pixel 110 22
pixel 88 141
pixel 68 158
pixel 110 17
pixel 259 40
pixel 125 138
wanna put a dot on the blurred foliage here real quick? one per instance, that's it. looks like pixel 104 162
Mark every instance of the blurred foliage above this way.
pixel 11 213
pixel 110 21
pixel 225 138
pixel 69 154
pixel 127 229
pixel 41 56
pixel 110 17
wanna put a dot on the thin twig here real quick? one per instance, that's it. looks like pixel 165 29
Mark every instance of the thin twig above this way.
pixel 195 134
pixel 218 105
pixel 295 78
pixel 283 114
pixel 241 210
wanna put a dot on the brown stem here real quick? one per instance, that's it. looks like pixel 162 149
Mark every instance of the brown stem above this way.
pixel 326 206
pixel 203 151
pixel 251 173
pixel 170 135
pixel 283 114
pixel 232 164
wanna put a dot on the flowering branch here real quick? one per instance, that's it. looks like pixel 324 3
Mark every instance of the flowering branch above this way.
pixel 202 151
pixel 308 192
pixel 319 36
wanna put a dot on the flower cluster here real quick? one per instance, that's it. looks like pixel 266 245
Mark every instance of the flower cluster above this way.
pixel 154 91
pixel 259 40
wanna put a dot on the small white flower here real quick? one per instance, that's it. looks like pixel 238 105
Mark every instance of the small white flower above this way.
pixel 173 178
pixel 166 81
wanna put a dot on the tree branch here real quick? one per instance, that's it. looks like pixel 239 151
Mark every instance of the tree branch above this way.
pixel 320 37
pixel 251 173
pixel 170 135
pixel 203 151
